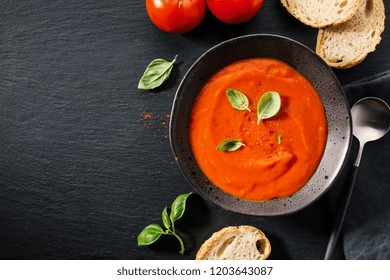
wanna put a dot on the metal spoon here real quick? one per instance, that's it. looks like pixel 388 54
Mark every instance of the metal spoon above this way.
pixel 370 121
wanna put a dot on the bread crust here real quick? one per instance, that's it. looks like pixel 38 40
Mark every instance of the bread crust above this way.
pixel 348 44
pixel 319 14
pixel 208 248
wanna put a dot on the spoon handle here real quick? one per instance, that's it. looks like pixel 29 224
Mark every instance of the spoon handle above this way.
pixel 341 211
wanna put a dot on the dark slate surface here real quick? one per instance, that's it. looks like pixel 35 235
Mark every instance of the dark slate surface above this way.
pixel 85 157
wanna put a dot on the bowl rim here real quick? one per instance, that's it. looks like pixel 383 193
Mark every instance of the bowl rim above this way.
pixel 347 140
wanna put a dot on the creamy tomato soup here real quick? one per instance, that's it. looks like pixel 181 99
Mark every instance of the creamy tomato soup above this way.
pixel 280 153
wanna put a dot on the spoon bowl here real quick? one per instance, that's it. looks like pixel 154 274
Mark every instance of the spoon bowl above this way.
pixel 370 119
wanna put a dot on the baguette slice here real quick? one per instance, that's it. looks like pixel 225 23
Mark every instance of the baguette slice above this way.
pixel 235 243
pixel 321 13
pixel 348 44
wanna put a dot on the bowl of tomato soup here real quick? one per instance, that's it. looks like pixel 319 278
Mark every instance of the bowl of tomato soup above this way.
pixel 260 125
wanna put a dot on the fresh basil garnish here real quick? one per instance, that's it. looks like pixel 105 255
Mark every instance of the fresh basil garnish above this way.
pixel 268 106
pixel 149 235
pixel 279 138
pixel 230 145
pixel 237 99
pixel 152 233
pixel 165 218
pixel 178 207
pixel 156 73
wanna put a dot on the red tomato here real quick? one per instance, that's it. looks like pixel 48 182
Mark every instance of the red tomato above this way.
pixel 176 16
pixel 234 11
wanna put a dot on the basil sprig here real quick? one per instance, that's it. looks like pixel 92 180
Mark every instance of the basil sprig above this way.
pixel 156 73
pixel 268 106
pixel 230 145
pixel 237 99
pixel 152 233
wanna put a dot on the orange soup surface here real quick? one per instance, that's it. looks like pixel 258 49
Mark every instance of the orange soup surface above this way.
pixel 280 153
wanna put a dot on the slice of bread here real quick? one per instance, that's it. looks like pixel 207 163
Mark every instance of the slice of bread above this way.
pixel 347 44
pixel 235 243
pixel 321 13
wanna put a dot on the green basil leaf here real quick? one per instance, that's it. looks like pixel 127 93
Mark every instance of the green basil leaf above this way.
pixel 237 99
pixel 165 218
pixel 268 106
pixel 156 73
pixel 279 138
pixel 149 235
pixel 230 145
pixel 178 207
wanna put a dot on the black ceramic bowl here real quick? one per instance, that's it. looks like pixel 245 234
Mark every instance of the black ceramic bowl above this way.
pixel 308 64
